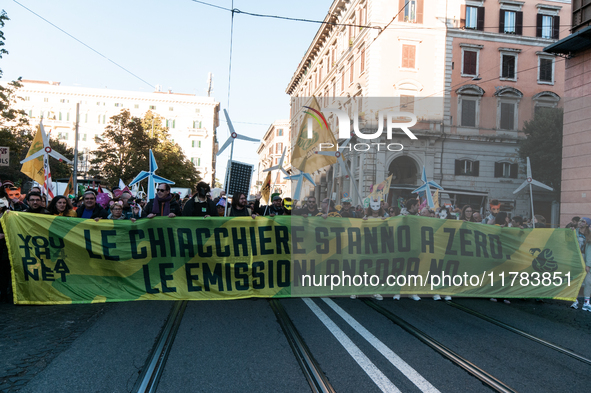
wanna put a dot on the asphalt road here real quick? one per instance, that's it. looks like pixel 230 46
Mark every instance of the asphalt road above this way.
pixel 238 346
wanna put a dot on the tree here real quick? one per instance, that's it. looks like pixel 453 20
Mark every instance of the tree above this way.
pixel 14 124
pixel 543 145
pixel 124 150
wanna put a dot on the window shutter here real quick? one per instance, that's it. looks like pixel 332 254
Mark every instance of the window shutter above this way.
pixel 556 27
pixel 419 11
pixel 411 56
pixel 401 4
pixel 513 171
pixel 498 169
pixel 502 21
pixel 480 19
pixel 405 56
pixel 458 170
pixel 519 23
pixel 539 25
pixel 476 168
pixel 463 16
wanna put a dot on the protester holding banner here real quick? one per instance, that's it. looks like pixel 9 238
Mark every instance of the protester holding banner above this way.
pixel 327 209
pixel 91 209
pixel 35 203
pixel 467 214
pixel 163 204
pixel 239 208
pixel 200 205
pixel 583 234
pixel 310 209
pixel 274 209
pixel 287 204
pixel 4 259
pixel 347 209
pixel 60 206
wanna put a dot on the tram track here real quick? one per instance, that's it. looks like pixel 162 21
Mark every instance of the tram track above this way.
pixel 470 368
pixel 520 332
pixel 148 380
pixel 313 373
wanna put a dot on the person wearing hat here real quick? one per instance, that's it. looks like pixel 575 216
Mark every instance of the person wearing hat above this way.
pixel 200 205
pixel 275 208
pixel 346 209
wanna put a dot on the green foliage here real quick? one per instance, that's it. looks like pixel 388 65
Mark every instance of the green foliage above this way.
pixel 543 146
pixel 124 151
pixel 15 132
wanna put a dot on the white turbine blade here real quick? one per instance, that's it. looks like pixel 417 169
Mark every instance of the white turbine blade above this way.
pixel 282 158
pixel 420 189
pixel 58 156
pixel 542 185
pixel 141 176
pixel 273 168
pixel 309 177
pixel 230 126
pixel 433 184
pixel 525 183
pixel 343 165
pixel 247 138
pixel 33 156
pixel 230 140
pixel 528 169
pixel 43 135
pixel 326 153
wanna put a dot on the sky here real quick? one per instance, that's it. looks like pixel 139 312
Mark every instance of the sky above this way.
pixel 173 43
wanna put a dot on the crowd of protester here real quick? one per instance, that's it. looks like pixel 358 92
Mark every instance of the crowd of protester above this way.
pixel 123 205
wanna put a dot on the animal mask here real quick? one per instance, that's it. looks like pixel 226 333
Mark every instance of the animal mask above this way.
pixel 495 206
pixel 375 205
pixel 14 193
pixel 287 204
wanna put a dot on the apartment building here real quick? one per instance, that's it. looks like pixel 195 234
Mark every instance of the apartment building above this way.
pixel 471 71
pixel 275 140
pixel 575 198
pixel 192 121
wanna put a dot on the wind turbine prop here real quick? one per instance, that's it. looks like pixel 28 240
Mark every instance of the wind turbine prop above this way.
pixel 279 166
pixel 230 141
pixel 426 188
pixel 344 168
pixel 46 152
pixel 300 179
pixel 530 181
pixel 152 177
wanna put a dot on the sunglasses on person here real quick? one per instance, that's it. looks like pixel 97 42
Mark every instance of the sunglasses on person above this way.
pixel 161 189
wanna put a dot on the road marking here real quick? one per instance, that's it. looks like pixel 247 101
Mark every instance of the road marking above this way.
pixel 362 360
pixel 400 364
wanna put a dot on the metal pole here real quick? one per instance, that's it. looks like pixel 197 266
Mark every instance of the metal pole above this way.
pixel 75 171
pixel 332 187
pixel 531 196
pixel 228 171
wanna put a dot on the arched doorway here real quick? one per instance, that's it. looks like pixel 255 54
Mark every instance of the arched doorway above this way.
pixel 405 172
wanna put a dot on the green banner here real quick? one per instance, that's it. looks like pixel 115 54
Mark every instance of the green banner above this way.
pixel 63 260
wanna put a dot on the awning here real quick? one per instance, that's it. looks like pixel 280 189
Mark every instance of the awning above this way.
pixel 572 44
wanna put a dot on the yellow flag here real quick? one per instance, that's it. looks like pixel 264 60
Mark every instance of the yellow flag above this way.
pixel 70 187
pixel 304 155
pixel 34 168
pixel 436 200
pixel 266 189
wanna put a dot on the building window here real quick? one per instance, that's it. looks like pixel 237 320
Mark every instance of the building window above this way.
pixel 508 66
pixel 64 101
pixel 506 170
pixel 118 105
pixel 547 26
pixel 511 22
pixel 351 70
pixel 470 63
pixel 30 113
pixel 279 148
pixel 86 117
pixel 62 136
pixel 68 116
pixel 407 103
pixel 196 124
pixel 192 143
pixel 27 98
pixel 170 108
pixel 545 70
pixel 60 116
pixel 467 168
pixel 170 123
pixel 270 150
pixel 471 17
pixel 46 100
pixel 82 137
pixel 199 144
pixel 197 110
pixel 136 106
pixel 408 56
pixel 104 119
pixel 413 11
pixel 362 62
pixel 468 118
pixel 507 116
pixel 343 81
pixel 152 107
pixel 280 132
